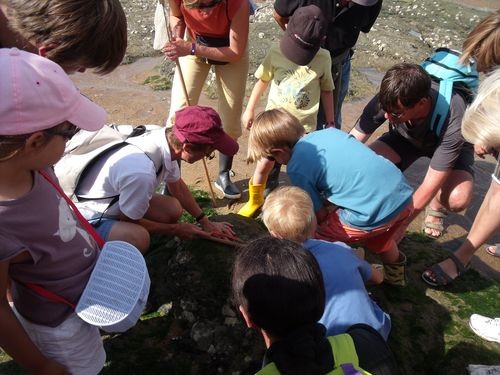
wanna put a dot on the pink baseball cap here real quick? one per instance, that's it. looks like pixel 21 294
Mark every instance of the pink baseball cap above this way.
pixel 36 94
pixel 202 125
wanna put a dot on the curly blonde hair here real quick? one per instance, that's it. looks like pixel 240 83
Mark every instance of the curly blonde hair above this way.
pixel 481 121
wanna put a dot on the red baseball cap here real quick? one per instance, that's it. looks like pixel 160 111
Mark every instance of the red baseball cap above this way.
pixel 202 125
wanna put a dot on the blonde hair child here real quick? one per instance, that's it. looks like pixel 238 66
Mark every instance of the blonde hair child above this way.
pixel 288 213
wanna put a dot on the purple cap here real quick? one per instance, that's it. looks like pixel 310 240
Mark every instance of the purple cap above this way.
pixel 202 125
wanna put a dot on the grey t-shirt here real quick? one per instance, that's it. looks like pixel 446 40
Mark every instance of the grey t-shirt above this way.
pixel 443 150
pixel 63 253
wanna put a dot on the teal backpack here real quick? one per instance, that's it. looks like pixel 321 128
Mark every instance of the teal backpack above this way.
pixel 444 67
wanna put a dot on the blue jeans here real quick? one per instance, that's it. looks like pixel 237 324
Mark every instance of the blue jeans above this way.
pixel 341 72
pixel 344 87
pixel 103 226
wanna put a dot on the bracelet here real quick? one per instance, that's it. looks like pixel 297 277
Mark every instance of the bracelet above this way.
pixel 193 49
pixel 200 216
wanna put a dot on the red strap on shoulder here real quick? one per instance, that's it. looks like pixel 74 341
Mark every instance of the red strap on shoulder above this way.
pixel 81 219
pixel 40 290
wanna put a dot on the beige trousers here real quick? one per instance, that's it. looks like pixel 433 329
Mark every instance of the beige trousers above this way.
pixel 230 79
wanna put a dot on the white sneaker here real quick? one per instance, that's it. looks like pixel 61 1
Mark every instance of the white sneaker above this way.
pixel 487 328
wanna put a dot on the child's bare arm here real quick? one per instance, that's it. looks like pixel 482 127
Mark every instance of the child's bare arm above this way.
pixel 16 342
pixel 327 101
pixel 282 21
pixel 249 114
pixel 377 276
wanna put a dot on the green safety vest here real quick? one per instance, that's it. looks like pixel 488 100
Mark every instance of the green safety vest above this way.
pixel 344 355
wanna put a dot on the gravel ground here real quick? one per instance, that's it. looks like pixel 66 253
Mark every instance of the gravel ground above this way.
pixel 406 30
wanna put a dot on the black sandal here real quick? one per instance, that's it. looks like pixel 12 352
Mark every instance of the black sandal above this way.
pixel 435 276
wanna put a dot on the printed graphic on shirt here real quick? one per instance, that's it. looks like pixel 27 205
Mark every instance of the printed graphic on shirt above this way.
pixel 68 228
pixel 293 90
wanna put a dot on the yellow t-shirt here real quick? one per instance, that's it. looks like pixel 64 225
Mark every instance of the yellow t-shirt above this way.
pixel 294 87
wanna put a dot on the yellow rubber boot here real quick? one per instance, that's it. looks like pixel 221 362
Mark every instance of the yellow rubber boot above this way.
pixel 255 200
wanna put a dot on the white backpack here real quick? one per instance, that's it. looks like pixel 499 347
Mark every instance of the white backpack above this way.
pixel 86 148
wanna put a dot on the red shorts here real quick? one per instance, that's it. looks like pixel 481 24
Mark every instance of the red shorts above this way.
pixel 378 240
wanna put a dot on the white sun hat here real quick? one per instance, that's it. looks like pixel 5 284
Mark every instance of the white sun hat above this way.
pixel 117 290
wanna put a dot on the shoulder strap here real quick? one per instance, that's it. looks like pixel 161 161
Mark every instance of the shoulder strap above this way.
pixel 344 354
pixel 83 151
pixel 47 294
pixel 445 67
pixel 89 228
pixel 40 290
pixel 269 369
pixel 442 106
pixel 343 349
pixel 151 150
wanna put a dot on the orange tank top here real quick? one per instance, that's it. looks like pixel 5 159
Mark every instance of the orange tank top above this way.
pixel 211 22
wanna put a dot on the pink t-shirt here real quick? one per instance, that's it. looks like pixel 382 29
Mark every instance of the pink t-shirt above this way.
pixel 212 22
pixel 64 254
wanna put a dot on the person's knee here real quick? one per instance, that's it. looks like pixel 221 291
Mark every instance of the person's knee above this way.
pixel 164 209
pixel 459 200
pixel 459 197
pixel 456 193
pixel 175 211
pixel 134 234
pixel 141 238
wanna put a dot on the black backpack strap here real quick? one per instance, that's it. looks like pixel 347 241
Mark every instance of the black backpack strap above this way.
pixel 91 163
pixel 138 130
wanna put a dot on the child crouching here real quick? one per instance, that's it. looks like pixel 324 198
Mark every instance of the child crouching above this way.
pixel 288 213
pixel 278 288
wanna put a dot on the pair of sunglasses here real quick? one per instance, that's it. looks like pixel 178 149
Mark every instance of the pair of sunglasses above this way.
pixel 67 133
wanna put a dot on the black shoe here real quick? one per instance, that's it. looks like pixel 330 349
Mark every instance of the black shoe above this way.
pixel 225 185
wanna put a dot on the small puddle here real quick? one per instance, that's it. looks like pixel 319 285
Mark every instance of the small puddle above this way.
pixel 373 75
